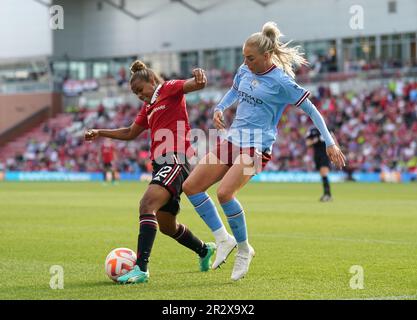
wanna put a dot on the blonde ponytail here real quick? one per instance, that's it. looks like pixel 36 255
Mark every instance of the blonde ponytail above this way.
pixel 283 56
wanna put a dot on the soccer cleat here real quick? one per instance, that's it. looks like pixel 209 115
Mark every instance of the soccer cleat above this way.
pixel 242 262
pixel 224 248
pixel 205 262
pixel 326 198
pixel 134 276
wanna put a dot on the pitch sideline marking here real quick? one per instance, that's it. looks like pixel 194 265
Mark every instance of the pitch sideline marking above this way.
pixel 302 236
pixel 385 298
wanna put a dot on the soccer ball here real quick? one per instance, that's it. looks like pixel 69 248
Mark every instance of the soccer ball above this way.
pixel 119 261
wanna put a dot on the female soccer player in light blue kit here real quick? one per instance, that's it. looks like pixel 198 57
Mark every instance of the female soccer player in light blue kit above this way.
pixel 263 87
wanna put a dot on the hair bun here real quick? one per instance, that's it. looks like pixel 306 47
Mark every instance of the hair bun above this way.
pixel 271 31
pixel 137 66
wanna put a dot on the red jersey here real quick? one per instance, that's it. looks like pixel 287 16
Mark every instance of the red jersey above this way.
pixel 167 118
pixel 107 153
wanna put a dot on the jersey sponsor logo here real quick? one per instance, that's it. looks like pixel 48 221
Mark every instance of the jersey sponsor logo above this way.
pixel 250 99
pixel 163 107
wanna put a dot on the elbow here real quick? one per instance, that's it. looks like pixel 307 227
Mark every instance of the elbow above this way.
pixel 129 134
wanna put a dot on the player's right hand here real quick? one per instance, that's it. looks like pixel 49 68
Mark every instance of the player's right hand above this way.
pixel 336 156
pixel 90 134
pixel 218 120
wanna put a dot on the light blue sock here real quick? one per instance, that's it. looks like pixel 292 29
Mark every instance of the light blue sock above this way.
pixel 207 210
pixel 236 218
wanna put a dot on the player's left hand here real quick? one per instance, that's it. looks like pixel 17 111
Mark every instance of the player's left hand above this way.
pixel 336 156
pixel 199 76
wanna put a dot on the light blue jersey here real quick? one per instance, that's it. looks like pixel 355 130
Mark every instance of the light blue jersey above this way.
pixel 262 99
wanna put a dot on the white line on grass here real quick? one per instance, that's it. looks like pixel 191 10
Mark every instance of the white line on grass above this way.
pixel 307 237
pixel 385 298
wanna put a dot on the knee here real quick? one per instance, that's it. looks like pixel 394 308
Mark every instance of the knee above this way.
pixel 188 188
pixel 224 195
pixel 147 205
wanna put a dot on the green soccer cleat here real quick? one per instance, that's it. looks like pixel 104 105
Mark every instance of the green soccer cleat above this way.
pixel 134 276
pixel 205 262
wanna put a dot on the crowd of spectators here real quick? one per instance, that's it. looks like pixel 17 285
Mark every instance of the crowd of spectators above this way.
pixel 377 131
pixel 66 150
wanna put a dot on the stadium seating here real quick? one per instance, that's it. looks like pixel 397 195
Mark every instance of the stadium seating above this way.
pixel 375 130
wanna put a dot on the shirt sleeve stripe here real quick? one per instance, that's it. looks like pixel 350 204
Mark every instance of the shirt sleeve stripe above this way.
pixel 303 97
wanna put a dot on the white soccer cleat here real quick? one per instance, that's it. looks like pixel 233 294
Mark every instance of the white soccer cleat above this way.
pixel 224 248
pixel 241 267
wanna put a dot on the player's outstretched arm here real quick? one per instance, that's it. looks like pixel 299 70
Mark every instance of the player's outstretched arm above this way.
pixel 197 83
pixel 120 134
pixel 335 154
pixel 228 99
pixel 333 151
pixel 218 120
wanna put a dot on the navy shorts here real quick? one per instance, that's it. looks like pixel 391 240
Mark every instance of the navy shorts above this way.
pixel 170 173
pixel 321 160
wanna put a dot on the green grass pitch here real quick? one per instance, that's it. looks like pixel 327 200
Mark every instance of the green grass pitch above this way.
pixel 304 249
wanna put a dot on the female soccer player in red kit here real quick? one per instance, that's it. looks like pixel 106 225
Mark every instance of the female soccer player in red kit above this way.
pixel 164 112
pixel 107 158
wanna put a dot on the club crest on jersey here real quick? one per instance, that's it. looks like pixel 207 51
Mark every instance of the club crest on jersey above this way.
pixel 253 84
